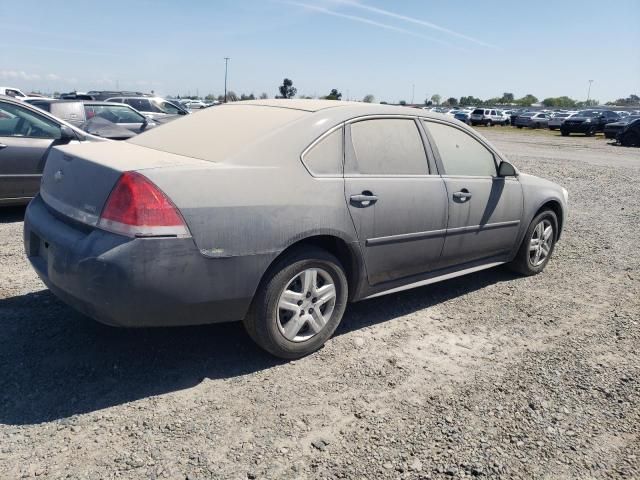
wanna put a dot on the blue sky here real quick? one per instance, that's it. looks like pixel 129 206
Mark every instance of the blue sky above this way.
pixel 448 47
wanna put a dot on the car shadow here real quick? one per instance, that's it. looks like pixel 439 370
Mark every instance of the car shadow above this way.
pixel 56 363
pixel 11 214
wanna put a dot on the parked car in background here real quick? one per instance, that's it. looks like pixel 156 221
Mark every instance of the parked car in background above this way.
pixel 17 93
pixel 162 229
pixel 463 116
pixel 154 107
pixel 514 114
pixel 532 120
pixel 104 119
pixel 556 120
pixel 194 104
pixel 26 135
pixel 105 94
pixel 612 129
pixel 487 116
pixel 588 122
pixel 630 134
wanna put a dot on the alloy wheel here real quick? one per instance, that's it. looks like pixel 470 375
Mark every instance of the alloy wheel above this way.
pixel 306 304
pixel 540 243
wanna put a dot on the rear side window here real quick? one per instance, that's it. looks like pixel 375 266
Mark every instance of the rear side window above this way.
pixel 389 146
pixel 478 111
pixel 461 154
pixel 325 157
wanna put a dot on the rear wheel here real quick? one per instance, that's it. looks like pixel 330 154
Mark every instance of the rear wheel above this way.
pixel 299 305
pixel 630 139
pixel 489 123
pixel 552 128
pixel 538 244
pixel 591 132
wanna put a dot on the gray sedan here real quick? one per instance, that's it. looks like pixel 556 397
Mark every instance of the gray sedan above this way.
pixel 26 136
pixel 279 213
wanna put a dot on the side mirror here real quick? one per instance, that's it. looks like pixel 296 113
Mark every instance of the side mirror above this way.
pixel 507 170
pixel 67 134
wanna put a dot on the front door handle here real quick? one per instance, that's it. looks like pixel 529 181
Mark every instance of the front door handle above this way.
pixel 364 199
pixel 463 195
pixel 2 145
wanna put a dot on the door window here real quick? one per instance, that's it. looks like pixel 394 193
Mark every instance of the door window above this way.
pixel 461 154
pixel 20 122
pixel 387 146
pixel 140 104
pixel 114 113
pixel 167 107
pixel 325 157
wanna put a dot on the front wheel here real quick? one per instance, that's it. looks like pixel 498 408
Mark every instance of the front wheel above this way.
pixel 538 244
pixel 591 132
pixel 564 133
pixel 299 305
pixel 489 123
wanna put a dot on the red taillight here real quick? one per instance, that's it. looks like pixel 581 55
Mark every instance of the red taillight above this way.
pixel 137 207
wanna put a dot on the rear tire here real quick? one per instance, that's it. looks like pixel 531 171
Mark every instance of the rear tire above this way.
pixel 630 139
pixel 591 132
pixel 291 280
pixel 489 124
pixel 537 245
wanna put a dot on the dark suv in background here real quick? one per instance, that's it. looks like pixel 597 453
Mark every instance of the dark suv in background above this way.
pixel 588 122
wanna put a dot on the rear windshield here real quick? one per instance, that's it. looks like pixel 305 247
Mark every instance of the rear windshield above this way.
pixel 214 134
pixel 529 114
pixel 478 111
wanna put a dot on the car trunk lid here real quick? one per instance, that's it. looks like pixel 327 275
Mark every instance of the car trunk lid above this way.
pixel 78 179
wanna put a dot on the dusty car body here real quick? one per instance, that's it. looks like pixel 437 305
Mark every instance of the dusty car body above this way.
pixel 308 204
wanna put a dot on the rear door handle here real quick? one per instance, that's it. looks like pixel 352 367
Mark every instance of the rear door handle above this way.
pixel 462 195
pixel 364 199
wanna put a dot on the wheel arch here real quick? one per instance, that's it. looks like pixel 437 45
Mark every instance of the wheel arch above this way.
pixel 346 252
pixel 555 207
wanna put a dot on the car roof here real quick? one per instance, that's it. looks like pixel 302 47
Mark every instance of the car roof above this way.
pixel 246 131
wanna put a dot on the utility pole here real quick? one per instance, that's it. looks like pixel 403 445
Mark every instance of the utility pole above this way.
pixel 589 92
pixel 226 63
pixel 413 92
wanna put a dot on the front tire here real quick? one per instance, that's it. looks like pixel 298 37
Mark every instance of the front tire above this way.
pixel 564 133
pixel 299 305
pixel 537 245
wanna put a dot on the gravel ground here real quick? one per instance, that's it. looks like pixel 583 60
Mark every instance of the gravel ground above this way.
pixel 489 376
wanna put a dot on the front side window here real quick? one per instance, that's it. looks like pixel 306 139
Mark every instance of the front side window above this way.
pixel 325 157
pixel 167 107
pixel 20 122
pixel 461 154
pixel 387 146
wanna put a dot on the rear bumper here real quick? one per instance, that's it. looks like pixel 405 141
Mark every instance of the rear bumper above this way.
pixel 138 282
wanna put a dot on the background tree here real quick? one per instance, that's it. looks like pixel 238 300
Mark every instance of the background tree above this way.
pixel 287 90
pixel 402 102
pixel 507 97
pixel 630 101
pixel 470 101
pixel 435 98
pixel 231 96
pixel 452 102
pixel 210 98
pixel 564 102
pixel 527 100
pixel 247 97
pixel 369 98
pixel 264 95
pixel 334 95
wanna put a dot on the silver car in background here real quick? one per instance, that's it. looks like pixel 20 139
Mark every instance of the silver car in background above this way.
pixel 556 120
pixel 280 212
